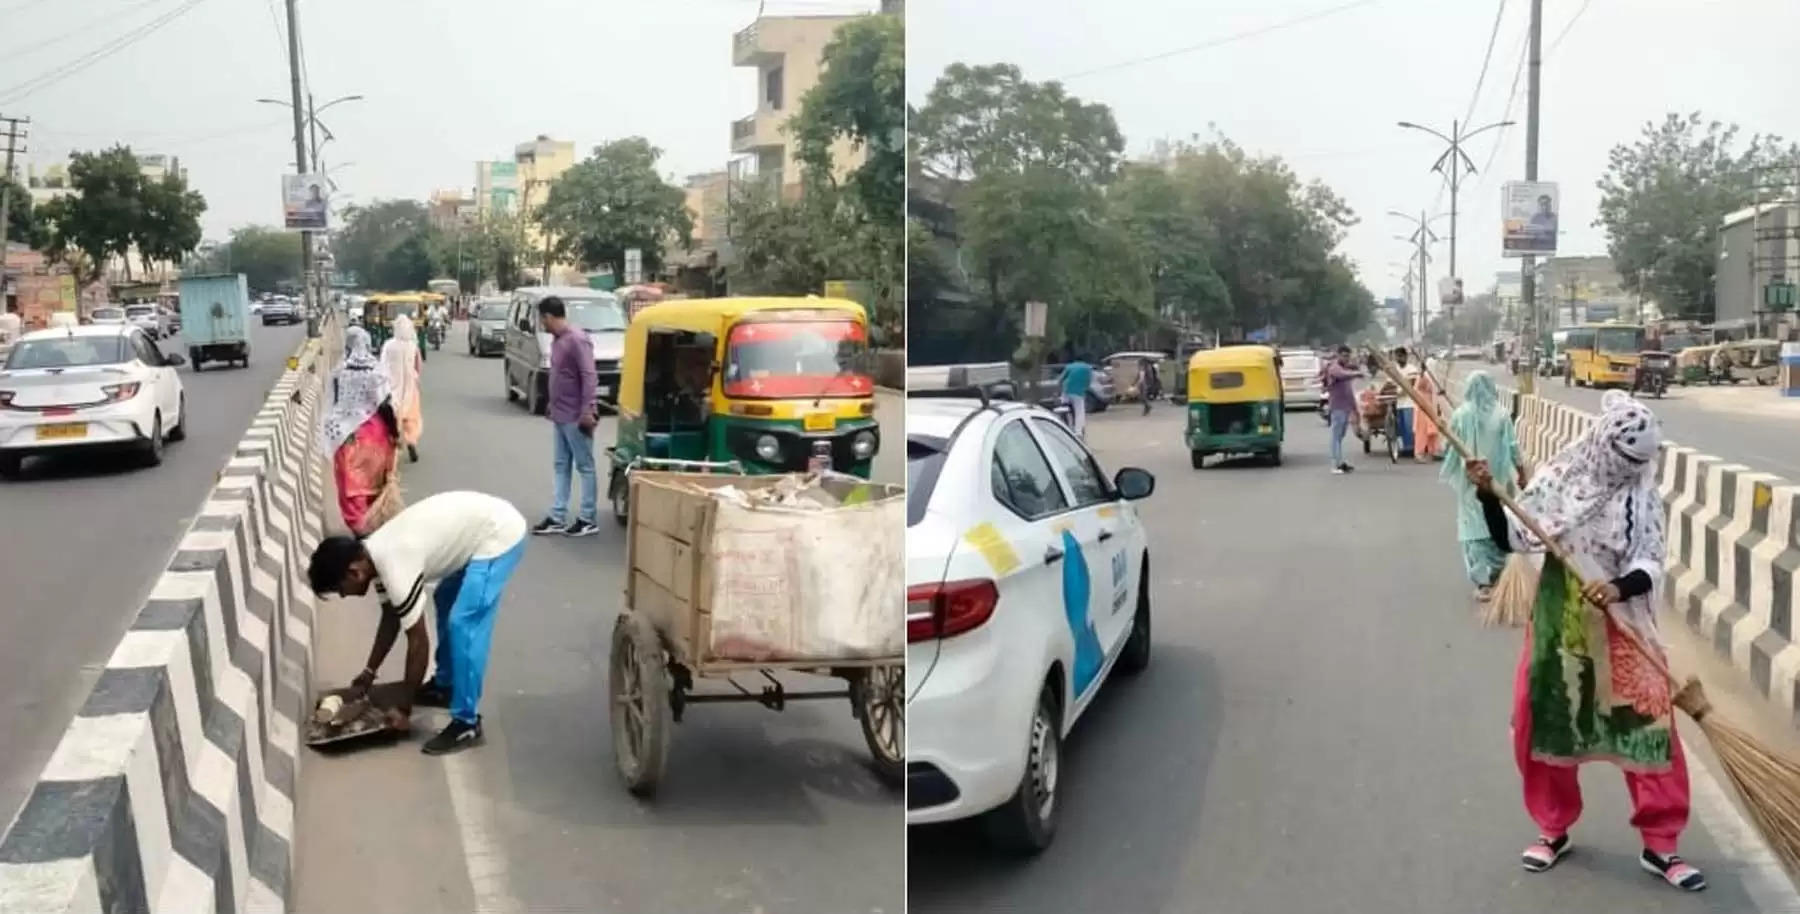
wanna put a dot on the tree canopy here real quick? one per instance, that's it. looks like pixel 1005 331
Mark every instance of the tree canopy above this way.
pixel 268 257
pixel 23 226
pixel 613 202
pixel 861 95
pixel 385 244
pixel 1664 196
pixel 114 208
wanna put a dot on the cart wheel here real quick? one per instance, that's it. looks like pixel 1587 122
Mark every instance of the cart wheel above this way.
pixel 1367 447
pixel 878 696
pixel 619 491
pixel 639 680
pixel 1392 433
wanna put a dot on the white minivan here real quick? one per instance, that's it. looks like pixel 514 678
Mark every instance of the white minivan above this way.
pixel 527 364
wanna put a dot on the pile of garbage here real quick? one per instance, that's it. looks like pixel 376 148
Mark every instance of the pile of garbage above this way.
pixel 807 492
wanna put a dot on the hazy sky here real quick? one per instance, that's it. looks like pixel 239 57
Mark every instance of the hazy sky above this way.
pixel 1326 94
pixel 447 82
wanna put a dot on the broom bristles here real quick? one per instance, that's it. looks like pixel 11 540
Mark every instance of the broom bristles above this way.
pixel 1514 595
pixel 1767 780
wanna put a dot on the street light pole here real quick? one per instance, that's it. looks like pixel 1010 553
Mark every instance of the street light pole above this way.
pixel 1457 161
pixel 1528 267
pixel 300 161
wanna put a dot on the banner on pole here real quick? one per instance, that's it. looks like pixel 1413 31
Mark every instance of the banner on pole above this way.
pixel 1531 209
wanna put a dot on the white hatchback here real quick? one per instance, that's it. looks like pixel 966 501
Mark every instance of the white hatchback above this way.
pixel 1026 571
pixel 101 386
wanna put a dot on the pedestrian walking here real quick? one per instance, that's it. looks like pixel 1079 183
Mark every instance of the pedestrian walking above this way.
pixel 361 436
pixel 1149 382
pixel 1428 444
pixel 1581 692
pixel 467 544
pixel 1403 405
pixel 1481 423
pixel 403 359
pixel 572 415
pixel 1076 380
pixel 1340 395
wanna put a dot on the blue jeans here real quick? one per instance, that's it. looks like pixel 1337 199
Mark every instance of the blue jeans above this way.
pixel 574 446
pixel 466 603
pixel 1403 420
pixel 1340 423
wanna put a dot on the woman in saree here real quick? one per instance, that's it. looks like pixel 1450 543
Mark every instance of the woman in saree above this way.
pixel 402 359
pixel 1582 692
pixel 1428 445
pixel 1486 428
pixel 360 434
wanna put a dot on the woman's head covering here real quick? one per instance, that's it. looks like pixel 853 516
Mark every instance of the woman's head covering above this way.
pixel 1480 423
pixel 404 330
pixel 359 388
pixel 400 358
pixel 1601 489
pixel 1480 391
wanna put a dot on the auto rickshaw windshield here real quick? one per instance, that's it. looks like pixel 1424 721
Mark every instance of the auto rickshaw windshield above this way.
pixel 798 358
pixel 595 314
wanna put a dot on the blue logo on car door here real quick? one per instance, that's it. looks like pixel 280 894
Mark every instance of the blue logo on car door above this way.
pixel 1076 590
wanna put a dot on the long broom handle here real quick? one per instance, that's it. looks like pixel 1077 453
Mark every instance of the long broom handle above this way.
pixel 1550 544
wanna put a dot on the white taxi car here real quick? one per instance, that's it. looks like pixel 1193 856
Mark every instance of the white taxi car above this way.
pixel 1026 571
pixel 99 386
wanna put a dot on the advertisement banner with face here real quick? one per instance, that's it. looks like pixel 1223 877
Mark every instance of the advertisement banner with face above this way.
pixel 1531 210
pixel 304 202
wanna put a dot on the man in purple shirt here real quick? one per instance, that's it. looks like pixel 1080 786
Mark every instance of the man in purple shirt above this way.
pixel 571 413
pixel 1340 395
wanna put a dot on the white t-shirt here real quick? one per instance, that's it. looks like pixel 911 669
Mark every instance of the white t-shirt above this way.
pixel 434 538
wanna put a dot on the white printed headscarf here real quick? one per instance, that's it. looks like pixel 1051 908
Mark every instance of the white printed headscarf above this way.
pixel 1598 495
pixel 359 388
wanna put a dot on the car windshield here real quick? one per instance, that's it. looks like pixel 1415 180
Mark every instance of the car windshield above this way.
pixel 1619 339
pixel 798 358
pixel 67 352
pixel 491 312
pixel 107 314
pixel 924 458
pixel 141 310
pixel 595 315
pixel 1302 364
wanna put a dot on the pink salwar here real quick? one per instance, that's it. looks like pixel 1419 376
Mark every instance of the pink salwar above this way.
pixel 1659 802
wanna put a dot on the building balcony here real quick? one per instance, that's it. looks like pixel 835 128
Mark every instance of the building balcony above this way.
pixel 748 48
pixel 761 130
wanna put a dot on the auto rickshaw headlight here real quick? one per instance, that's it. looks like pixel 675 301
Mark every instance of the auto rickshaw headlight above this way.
pixel 863 445
pixel 767 448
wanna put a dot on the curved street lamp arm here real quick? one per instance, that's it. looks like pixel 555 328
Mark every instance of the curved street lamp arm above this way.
pixel 1412 126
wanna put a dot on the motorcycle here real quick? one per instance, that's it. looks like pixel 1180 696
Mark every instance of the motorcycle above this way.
pixel 1653 374
pixel 434 334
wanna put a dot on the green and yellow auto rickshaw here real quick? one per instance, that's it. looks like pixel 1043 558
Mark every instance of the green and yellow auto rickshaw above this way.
pixel 1234 404
pixel 753 385
pixel 380 309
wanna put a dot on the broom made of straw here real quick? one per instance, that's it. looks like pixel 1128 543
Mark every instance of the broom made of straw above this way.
pixel 1767 780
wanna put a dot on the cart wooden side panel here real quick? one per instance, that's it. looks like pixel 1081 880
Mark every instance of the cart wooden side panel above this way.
pixel 666 561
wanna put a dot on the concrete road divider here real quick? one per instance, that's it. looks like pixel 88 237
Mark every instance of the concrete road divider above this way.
pixel 1734 547
pixel 173 788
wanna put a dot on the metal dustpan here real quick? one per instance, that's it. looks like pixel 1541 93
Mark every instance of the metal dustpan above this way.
pixel 354 721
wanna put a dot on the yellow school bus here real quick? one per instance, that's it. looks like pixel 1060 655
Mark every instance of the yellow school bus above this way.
pixel 1604 355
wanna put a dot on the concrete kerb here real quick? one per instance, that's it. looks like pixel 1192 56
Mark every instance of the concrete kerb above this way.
pixel 173 788
pixel 1734 549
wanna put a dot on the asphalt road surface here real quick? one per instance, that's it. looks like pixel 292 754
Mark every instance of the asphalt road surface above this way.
pixel 759 811
pixel 1323 727
pixel 1746 424
pixel 82 539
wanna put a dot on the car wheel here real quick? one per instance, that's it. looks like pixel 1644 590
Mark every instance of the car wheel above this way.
pixel 11 465
pixel 1275 457
pixel 506 382
pixel 619 492
pixel 179 432
pixel 1026 823
pixel 1136 656
pixel 1197 459
pixel 1094 403
pixel 535 395
pixel 153 449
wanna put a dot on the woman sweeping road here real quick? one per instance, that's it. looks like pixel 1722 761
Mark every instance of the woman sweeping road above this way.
pixel 1480 423
pixel 361 436
pixel 1582 693
pixel 403 359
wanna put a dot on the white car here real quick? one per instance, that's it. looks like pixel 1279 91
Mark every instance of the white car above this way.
pixel 1300 383
pixel 145 318
pixel 101 386
pixel 1026 573
pixel 108 315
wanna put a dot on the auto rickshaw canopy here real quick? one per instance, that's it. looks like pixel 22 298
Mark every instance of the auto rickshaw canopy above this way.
pixel 712 318
pixel 1233 374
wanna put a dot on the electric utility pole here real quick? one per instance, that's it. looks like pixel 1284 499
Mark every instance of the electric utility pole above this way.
pixel 309 295
pixel 14 135
pixel 1528 267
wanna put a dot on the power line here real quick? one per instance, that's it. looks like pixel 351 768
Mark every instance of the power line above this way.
pixel 1486 59
pixel 1569 25
pixel 84 30
pixel 1229 39
pixel 275 20
pixel 87 60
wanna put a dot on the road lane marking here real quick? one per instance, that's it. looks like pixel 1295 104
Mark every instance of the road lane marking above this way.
pixel 483 845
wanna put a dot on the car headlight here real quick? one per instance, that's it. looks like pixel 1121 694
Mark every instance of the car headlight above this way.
pixel 863 445
pixel 767 448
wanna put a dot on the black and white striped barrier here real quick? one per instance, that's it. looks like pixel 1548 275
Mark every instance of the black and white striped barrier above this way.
pixel 173 788
pixel 1734 548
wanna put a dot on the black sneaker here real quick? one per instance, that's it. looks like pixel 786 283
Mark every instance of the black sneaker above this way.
pixel 1347 468
pixel 1545 853
pixel 432 695
pixel 1673 870
pixel 548 526
pixel 454 738
pixel 581 528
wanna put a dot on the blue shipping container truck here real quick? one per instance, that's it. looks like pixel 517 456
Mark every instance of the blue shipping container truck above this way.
pixel 215 318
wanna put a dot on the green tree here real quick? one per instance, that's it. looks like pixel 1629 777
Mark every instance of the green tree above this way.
pixel 169 226
pixel 23 225
pixel 268 257
pixel 791 246
pixel 103 214
pixel 372 240
pixel 861 95
pixel 1662 199
pixel 1176 242
pixel 615 201
pixel 979 119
